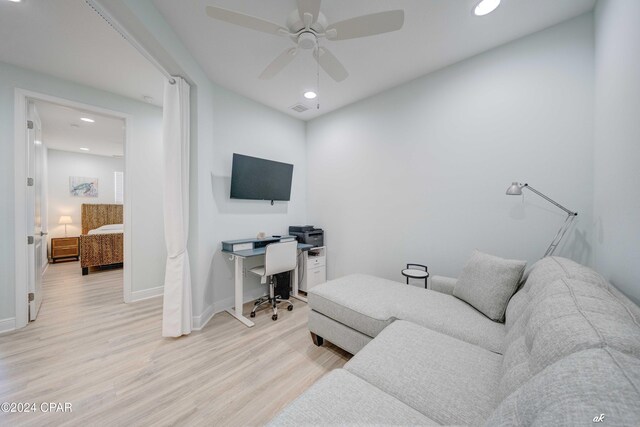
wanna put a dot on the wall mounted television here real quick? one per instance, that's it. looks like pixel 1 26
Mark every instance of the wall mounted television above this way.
pixel 253 178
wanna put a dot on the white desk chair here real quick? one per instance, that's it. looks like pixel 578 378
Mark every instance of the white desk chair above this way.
pixel 278 258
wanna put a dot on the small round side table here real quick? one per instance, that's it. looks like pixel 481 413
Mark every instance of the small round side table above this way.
pixel 414 271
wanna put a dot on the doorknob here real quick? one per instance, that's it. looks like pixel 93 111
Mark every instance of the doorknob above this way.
pixel 43 234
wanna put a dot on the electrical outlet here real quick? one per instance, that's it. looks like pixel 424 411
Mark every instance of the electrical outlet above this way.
pixel 244 272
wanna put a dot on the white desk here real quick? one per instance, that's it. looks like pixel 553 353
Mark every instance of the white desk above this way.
pixel 238 257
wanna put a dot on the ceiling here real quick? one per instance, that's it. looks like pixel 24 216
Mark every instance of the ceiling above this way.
pixel 436 33
pixel 63 130
pixel 67 39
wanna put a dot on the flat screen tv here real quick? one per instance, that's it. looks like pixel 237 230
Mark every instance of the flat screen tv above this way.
pixel 260 179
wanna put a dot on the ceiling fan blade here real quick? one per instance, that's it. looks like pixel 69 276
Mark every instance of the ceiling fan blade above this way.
pixel 309 8
pixel 330 64
pixel 245 21
pixel 366 25
pixel 278 64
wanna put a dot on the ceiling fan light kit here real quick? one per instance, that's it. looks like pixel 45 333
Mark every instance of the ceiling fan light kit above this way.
pixel 306 26
pixel 307 40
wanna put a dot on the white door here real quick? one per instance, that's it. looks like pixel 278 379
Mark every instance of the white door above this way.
pixel 35 154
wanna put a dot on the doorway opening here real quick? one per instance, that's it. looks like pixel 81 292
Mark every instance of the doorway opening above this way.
pixel 71 195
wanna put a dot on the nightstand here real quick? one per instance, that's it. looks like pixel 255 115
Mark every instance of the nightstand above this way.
pixel 64 248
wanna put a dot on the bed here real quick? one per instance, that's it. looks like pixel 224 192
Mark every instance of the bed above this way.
pixel 101 241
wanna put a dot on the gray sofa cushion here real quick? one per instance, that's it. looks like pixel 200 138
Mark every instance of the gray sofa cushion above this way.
pixel 575 390
pixel 450 381
pixel 369 304
pixel 487 282
pixel 517 304
pixel 340 398
pixel 564 317
pixel 549 270
pixel 442 284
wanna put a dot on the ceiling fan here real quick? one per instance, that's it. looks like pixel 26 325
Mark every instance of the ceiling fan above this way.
pixel 305 26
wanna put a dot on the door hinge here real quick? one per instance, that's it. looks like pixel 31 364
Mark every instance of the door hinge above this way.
pixel 29 124
pixel 30 240
pixel 30 182
pixel 32 296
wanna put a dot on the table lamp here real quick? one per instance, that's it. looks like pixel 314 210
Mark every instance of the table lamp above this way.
pixel 65 219
pixel 515 189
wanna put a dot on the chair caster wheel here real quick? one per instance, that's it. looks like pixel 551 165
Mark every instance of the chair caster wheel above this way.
pixel 290 308
pixel 274 317
pixel 253 314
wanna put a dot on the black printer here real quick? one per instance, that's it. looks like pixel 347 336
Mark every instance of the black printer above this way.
pixel 307 234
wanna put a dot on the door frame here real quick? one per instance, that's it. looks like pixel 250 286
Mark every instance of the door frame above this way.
pixel 20 196
pixel 35 270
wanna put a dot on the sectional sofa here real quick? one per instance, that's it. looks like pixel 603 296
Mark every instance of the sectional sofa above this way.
pixel 567 353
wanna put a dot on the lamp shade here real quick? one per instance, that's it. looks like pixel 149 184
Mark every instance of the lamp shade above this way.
pixel 65 219
pixel 514 189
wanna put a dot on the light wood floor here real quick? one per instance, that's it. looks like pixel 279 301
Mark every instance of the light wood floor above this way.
pixel 109 361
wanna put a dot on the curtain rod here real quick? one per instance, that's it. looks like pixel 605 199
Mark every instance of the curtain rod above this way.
pixel 113 23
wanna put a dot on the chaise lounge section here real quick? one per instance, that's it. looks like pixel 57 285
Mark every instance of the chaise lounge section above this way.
pixel 568 352
pixel 352 310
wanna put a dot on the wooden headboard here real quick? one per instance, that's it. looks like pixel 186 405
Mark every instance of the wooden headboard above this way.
pixel 94 216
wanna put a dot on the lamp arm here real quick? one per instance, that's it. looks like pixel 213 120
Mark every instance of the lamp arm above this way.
pixel 569 212
pixel 560 234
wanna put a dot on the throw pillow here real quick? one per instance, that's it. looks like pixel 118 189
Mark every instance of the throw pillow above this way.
pixel 487 282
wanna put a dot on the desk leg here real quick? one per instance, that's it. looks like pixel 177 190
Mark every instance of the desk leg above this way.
pixel 295 293
pixel 238 279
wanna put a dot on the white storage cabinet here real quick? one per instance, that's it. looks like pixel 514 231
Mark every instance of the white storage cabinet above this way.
pixel 315 268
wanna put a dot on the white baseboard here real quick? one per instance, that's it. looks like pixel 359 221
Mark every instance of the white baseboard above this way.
pixel 7 325
pixel 147 293
pixel 201 321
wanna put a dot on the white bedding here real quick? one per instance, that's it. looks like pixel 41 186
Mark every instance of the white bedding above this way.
pixel 108 229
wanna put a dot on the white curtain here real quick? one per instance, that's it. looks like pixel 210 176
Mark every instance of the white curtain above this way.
pixel 176 310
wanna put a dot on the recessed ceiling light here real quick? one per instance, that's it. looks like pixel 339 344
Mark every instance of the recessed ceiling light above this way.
pixel 485 7
pixel 15 1
pixel 310 94
pixel 86 119
pixel 36 141
pixel 84 148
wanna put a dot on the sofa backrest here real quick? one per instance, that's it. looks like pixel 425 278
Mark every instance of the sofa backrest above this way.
pixel 563 309
pixel 546 271
pixel 549 270
pixel 577 390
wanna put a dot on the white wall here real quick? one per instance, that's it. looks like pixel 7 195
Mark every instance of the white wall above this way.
pixel 223 122
pixel 617 143
pixel 145 163
pixel 442 138
pixel 419 173
pixel 245 127
pixel 64 164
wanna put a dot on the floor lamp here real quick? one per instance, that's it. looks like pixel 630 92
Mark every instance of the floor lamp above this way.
pixel 515 189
